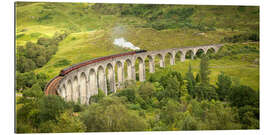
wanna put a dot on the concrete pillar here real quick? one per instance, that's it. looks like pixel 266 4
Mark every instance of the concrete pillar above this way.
pixel 162 61
pixel 133 70
pixel 120 73
pixel 111 78
pixel 102 80
pixel 172 59
pixel 151 64
pixel 183 57
pixel 75 90
pixel 92 87
pixel 69 91
pixel 142 71
pixel 83 88
pixel 129 70
pixel 192 55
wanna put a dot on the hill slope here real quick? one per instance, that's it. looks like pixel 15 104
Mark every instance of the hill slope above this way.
pixel 92 28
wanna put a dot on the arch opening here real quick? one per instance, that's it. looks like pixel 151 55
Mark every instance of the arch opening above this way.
pixel 179 57
pixel 93 89
pixel 110 78
pixel 159 60
pixel 63 92
pixel 127 70
pixel 69 91
pixel 83 88
pixel 200 52
pixel 169 60
pixel 119 74
pixel 189 54
pixel 210 52
pixel 140 69
pixel 102 79
pixel 76 91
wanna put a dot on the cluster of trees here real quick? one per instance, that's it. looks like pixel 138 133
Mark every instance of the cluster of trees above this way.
pixel 242 38
pixel 167 101
pixel 157 16
pixel 35 55
pixel 162 17
pixel 28 79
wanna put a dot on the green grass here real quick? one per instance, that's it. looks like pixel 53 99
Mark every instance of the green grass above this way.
pixel 92 34
pixel 242 67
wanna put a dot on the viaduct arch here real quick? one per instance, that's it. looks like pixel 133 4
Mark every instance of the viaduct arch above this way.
pixel 82 83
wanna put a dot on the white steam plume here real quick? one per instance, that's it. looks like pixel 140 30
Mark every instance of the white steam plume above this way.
pixel 125 44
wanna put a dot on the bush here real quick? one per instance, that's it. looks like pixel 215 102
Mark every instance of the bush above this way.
pixel 129 93
pixel 205 91
pixel 242 38
pixel 63 62
pixel 243 95
pixel 98 97
pixel 51 107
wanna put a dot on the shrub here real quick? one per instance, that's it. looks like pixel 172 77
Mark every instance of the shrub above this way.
pixel 63 62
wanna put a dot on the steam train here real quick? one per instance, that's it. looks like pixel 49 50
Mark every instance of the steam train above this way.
pixel 76 66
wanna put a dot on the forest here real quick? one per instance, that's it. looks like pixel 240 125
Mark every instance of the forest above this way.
pixel 212 92
pixel 168 100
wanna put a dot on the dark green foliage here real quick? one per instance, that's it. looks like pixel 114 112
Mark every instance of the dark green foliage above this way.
pixel 63 62
pixel 34 92
pixel 33 56
pixel 239 49
pixel 171 86
pixel 98 97
pixel 205 91
pixel 129 93
pixel 25 80
pixel 44 41
pixel 204 70
pixel 28 79
pixel 157 16
pixel 190 81
pixel 242 38
pixel 111 115
pixel 224 86
pixel 24 64
pixel 244 95
pixel 146 91
pixel 170 113
pixel 51 107
pixel 249 117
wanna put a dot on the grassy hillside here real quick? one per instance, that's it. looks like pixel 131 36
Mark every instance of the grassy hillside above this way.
pixel 152 27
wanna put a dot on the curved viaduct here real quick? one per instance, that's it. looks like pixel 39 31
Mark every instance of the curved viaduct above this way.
pixel 84 82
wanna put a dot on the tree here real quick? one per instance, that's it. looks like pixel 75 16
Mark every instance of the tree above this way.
pixel 244 95
pixel 34 92
pixel 44 41
pixel 112 115
pixel 224 86
pixel 146 91
pixel 24 64
pixel 204 70
pixel 40 61
pixel 205 91
pixel 190 81
pixel 68 122
pixel 51 107
pixel 170 113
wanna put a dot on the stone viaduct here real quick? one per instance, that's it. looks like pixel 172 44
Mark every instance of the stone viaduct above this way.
pixel 108 75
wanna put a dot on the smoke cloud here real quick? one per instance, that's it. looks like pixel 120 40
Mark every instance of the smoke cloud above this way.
pixel 125 44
